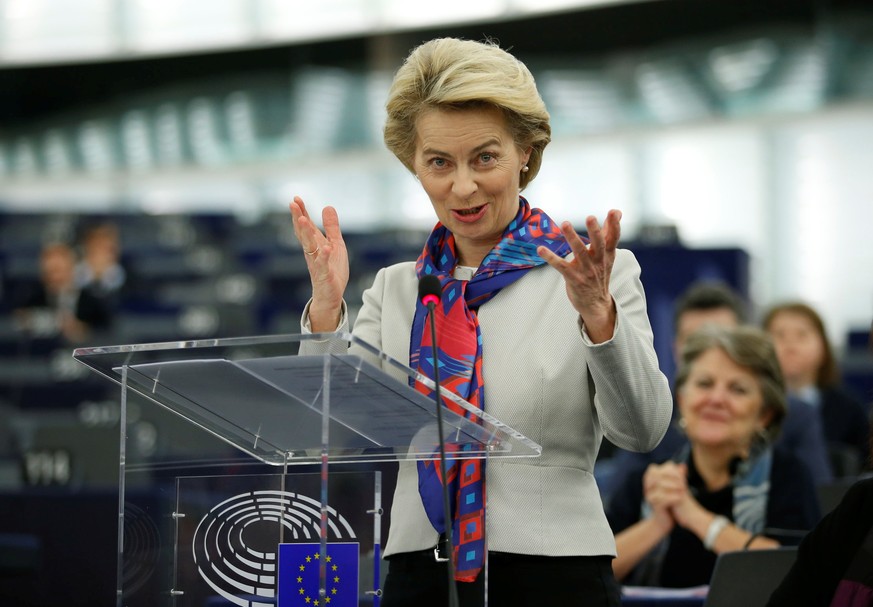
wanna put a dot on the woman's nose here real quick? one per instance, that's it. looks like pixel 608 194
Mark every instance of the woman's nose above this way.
pixel 718 394
pixel 464 184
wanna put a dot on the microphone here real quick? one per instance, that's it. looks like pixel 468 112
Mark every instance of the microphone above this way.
pixel 430 292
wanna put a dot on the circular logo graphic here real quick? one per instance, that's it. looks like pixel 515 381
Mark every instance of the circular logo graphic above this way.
pixel 235 543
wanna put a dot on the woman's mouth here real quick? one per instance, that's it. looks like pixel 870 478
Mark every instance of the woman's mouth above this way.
pixel 714 416
pixel 469 215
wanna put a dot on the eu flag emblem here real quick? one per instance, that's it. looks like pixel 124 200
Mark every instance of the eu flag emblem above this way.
pixel 298 575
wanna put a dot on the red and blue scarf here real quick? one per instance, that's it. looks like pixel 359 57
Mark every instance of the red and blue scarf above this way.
pixel 459 356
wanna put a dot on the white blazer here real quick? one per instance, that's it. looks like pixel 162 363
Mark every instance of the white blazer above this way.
pixel 546 379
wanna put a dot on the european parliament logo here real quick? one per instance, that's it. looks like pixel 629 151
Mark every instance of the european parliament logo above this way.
pixel 299 575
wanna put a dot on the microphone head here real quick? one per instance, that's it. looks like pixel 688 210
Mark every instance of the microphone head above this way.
pixel 430 291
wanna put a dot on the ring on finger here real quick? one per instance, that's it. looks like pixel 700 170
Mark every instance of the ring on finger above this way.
pixel 312 252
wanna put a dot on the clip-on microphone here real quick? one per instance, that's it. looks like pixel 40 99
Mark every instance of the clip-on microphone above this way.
pixel 429 294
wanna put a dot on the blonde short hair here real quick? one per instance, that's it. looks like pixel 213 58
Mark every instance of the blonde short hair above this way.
pixel 449 73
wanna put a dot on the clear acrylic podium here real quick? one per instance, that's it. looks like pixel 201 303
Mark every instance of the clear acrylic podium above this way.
pixel 251 475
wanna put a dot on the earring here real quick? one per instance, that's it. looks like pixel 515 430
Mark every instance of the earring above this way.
pixel 524 169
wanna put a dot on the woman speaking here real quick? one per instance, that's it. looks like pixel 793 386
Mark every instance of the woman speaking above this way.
pixel 546 332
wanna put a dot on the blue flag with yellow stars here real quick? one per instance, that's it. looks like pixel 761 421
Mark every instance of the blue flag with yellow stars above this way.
pixel 298 575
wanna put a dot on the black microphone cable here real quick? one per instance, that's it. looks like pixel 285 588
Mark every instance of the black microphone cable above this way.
pixel 429 294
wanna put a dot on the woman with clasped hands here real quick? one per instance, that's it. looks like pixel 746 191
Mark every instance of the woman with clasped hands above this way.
pixel 729 490
pixel 540 330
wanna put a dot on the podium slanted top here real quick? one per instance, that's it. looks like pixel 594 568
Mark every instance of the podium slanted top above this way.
pixel 259 395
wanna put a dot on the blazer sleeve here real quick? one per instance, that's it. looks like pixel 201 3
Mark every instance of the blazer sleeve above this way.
pixel 368 324
pixel 631 395
pixel 312 347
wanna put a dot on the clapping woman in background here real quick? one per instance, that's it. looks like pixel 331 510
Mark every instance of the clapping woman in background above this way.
pixel 729 489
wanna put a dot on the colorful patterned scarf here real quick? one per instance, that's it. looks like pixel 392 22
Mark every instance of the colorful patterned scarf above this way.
pixel 460 363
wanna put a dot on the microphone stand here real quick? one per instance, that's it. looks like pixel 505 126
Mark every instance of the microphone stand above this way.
pixel 453 589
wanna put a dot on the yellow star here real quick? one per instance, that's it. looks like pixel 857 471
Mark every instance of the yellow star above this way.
pixel 299 580
pixel 317 555
pixel 315 602
pixel 308 600
pixel 308 559
pixel 327 599
pixel 333 590
pixel 336 579
pixel 329 558
pixel 333 567
pixel 302 591
pixel 302 567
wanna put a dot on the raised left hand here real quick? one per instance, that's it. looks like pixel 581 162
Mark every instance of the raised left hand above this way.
pixel 587 273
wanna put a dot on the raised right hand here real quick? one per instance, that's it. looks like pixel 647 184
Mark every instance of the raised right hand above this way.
pixel 327 261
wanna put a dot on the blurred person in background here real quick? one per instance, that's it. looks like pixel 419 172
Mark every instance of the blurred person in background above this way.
pixel 57 306
pixel 99 270
pixel 714 303
pixel 812 376
pixel 729 489
pixel 703 303
pixel 546 333
pixel 834 566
